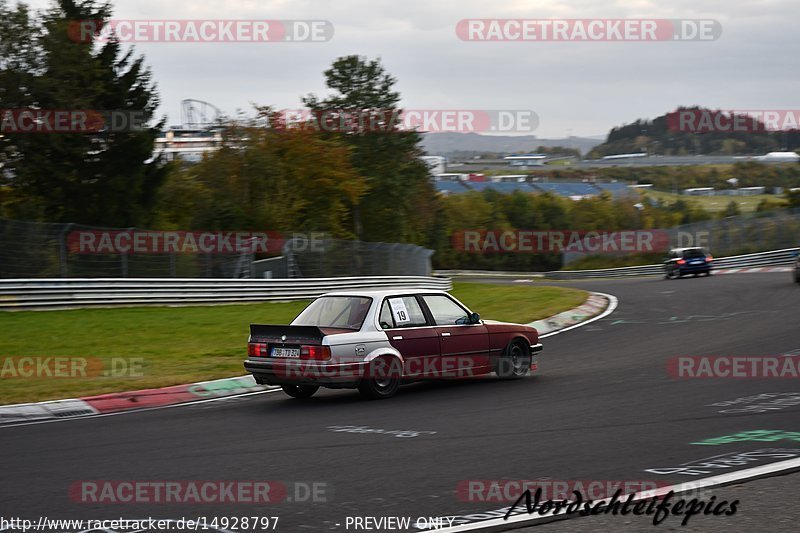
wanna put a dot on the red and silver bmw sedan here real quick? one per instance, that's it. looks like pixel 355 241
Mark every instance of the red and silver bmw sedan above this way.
pixel 376 340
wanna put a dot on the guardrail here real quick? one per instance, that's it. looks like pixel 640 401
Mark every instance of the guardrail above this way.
pixel 26 294
pixel 774 257
pixel 644 270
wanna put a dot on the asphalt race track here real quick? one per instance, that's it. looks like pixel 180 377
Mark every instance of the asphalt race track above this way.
pixel 603 407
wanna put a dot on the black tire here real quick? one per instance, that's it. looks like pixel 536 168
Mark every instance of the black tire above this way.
pixel 515 363
pixel 300 391
pixel 382 380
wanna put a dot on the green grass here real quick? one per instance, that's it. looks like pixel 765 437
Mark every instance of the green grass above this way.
pixel 517 303
pixel 715 204
pixel 186 344
pixel 594 262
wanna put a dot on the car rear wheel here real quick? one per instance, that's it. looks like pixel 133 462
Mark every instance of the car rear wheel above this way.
pixel 300 391
pixel 382 380
pixel 515 362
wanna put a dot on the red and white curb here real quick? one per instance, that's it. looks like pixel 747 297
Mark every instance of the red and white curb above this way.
pixel 132 400
pixel 597 306
pixel 751 270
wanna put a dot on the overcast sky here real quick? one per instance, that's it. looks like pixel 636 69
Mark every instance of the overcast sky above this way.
pixel 582 88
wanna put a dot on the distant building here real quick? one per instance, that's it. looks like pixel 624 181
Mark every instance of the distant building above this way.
pixel 518 178
pixel 742 191
pixel 625 156
pixel 779 157
pixel 436 163
pixel 451 177
pixel 187 144
pixel 525 160
pixel 699 191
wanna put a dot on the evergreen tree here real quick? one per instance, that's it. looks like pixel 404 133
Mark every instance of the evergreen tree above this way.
pixel 98 176
pixel 399 203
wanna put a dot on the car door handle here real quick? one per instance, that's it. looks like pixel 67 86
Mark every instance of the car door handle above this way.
pixel 445 334
pixel 397 338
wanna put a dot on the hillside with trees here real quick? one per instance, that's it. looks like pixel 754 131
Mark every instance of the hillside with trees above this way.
pixel 664 136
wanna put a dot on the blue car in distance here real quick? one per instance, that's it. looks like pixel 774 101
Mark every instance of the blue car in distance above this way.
pixel 683 261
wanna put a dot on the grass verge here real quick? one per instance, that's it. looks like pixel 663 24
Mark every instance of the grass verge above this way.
pixel 717 204
pixel 174 345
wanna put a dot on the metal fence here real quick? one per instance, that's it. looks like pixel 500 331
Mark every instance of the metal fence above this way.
pixel 26 294
pixel 755 232
pixel 333 258
pixel 771 258
pixel 41 250
pixel 743 234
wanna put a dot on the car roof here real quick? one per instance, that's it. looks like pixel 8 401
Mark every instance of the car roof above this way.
pixel 383 293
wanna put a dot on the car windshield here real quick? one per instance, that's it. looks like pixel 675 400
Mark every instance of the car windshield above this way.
pixel 694 253
pixel 346 312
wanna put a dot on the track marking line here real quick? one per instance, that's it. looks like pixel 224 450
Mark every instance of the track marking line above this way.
pixel 613 302
pixel 523 520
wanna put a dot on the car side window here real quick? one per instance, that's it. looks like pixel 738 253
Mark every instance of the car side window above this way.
pixel 406 312
pixel 445 311
pixel 385 319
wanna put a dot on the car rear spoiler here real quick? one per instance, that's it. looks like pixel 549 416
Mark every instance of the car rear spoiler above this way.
pixel 292 334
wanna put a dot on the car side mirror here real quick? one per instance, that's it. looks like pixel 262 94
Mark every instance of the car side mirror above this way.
pixel 474 318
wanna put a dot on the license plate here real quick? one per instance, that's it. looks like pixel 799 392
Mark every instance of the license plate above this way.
pixel 286 352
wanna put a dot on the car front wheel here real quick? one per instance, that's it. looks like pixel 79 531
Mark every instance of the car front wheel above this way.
pixel 300 391
pixel 515 362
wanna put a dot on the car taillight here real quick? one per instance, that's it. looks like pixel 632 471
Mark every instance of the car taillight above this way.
pixel 709 259
pixel 681 261
pixel 257 350
pixel 317 353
